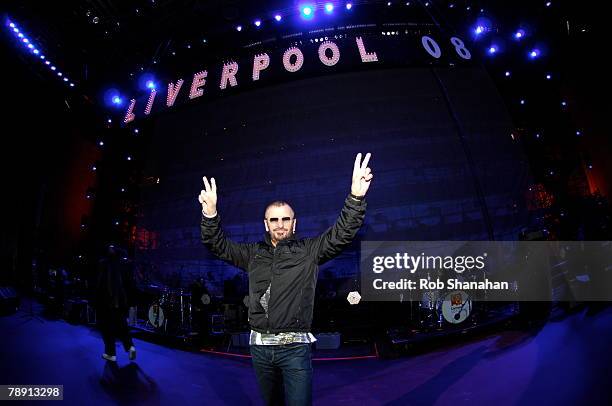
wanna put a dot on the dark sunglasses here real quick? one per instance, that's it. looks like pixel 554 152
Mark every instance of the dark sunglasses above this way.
pixel 276 219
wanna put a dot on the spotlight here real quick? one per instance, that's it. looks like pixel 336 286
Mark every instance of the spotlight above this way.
pixel 72 85
pixel 36 52
pixel 493 49
pixel 548 4
pixel 30 46
pixel 116 100
pixel 150 84
pixel 522 101
pixel 307 11
pixel 508 73
pixel 59 74
pixel 548 76
pixel 65 79
pixel 534 53
pixel 42 56
pixel 129 158
pixel 479 30
pixel 101 143
pixel 349 6
pixel 278 17
pixel 12 25
pixel 257 23
pixel 25 40
pixel 520 34
pixel 239 28
pixel 53 68
pixel 47 62
pixel 329 8
pixel 20 35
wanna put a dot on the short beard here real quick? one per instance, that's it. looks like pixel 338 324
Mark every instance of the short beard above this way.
pixel 288 234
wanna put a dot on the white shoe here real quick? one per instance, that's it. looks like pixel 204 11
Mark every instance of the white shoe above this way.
pixel 132 353
pixel 107 357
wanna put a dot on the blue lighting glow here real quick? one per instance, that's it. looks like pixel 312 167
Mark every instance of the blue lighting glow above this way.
pixel 116 100
pixel 278 17
pixel 150 84
pixel 534 53
pixel 329 8
pixel 257 23
pixel 520 34
pixel 493 49
pixel 12 25
pixel 349 6
pixel 20 35
pixel 307 11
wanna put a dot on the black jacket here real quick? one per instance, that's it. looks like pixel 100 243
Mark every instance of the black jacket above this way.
pixel 291 268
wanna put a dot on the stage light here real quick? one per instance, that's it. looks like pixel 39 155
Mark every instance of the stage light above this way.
pixel 508 73
pixel 349 6
pixel 53 67
pixel 36 52
pixel 109 121
pixel 116 100
pixel 65 79
pixel 129 158
pixel 47 62
pixel 20 35
pixel 520 34
pixel 72 85
pixel 278 17
pixel 101 143
pixel 479 30
pixel 522 101
pixel 578 133
pixel 564 103
pixel 15 30
pixel 59 74
pixel 150 84
pixel 12 25
pixel 94 168
pixel 534 53
pixel 257 23
pixel 239 28
pixel 30 46
pixel 136 130
pixel 493 49
pixel 42 56
pixel 590 166
pixel 548 76
pixel 25 40
pixel 329 8
pixel 307 11
pixel 388 3
pixel 548 4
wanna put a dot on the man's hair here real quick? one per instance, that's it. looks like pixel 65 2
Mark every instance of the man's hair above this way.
pixel 277 203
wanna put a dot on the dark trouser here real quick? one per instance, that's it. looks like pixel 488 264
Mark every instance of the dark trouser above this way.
pixel 284 372
pixel 113 325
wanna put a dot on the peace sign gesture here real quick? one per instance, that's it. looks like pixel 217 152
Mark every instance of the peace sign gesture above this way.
pixel 208 197
pixel 362 175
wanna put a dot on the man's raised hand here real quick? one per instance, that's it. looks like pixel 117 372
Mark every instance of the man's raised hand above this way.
pixel 208 197
pixel 362 175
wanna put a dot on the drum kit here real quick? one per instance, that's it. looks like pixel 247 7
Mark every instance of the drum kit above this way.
pixel 440 307
pixel 170 311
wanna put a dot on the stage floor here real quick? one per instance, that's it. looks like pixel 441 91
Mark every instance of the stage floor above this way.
pixel 564 363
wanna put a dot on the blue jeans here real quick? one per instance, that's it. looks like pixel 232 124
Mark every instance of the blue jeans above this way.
pixel 284 372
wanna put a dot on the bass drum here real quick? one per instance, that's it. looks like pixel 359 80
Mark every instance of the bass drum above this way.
pixel 157 316
pixel 455 306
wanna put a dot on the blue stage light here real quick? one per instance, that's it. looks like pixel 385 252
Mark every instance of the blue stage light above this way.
pixel 329 8
pixel 493 49
pixel 30 46
pixel 25 40
pixel 307 11
pixel 20 35
pixel 150 85
pixel 239 28
pixel 15 30
pixel 12 25
pixel 349 6
pixel 479 30
pixel 534 53
pixel 116 100
pixel 257 23
pixel 520 34
pixel 278 17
